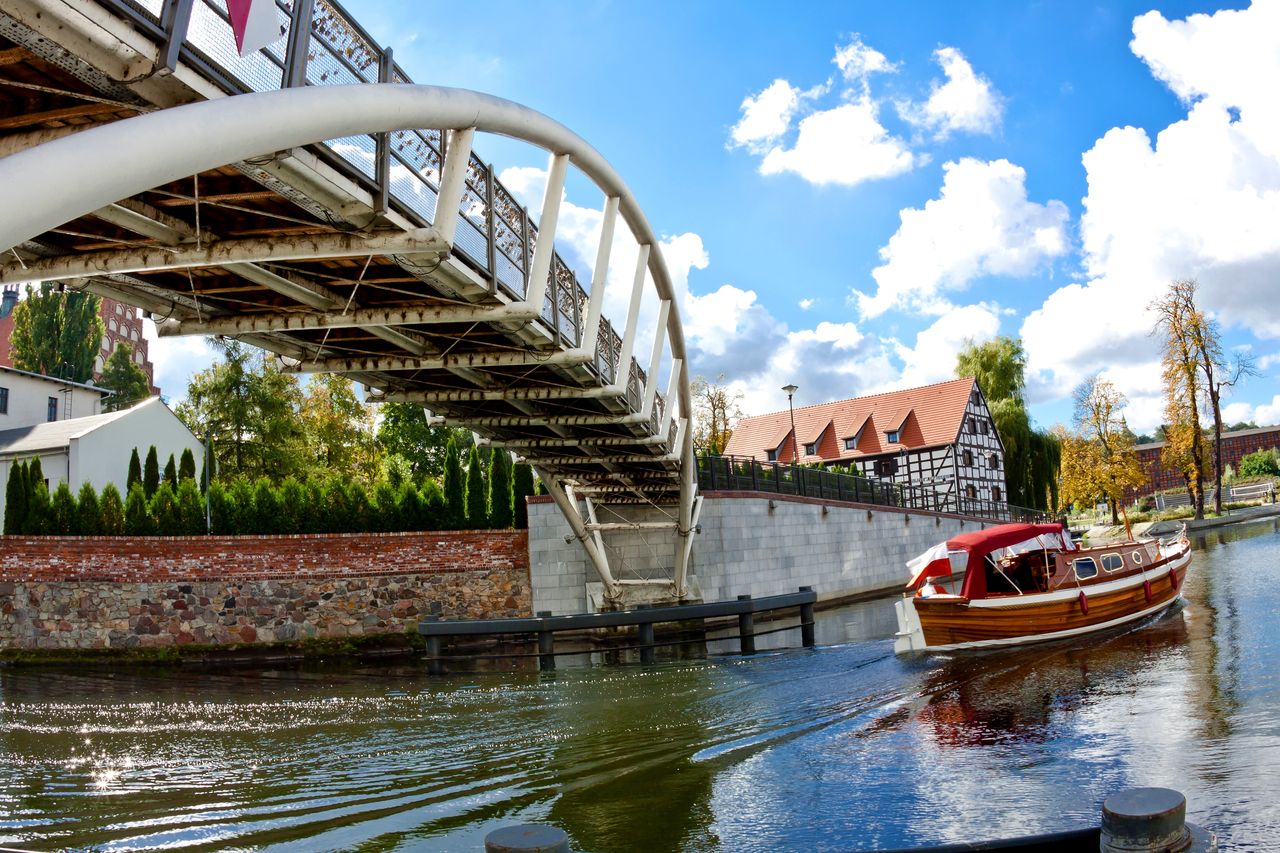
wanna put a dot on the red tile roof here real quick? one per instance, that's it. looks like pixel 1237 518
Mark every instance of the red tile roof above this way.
pixel 924 417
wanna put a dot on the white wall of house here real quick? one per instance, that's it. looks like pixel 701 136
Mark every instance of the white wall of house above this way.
pixel 28 399
pixel 101 456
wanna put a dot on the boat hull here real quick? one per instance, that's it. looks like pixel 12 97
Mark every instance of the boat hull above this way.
pixel 943 623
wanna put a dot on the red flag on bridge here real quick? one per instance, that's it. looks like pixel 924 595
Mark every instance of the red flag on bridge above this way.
pixel 254 23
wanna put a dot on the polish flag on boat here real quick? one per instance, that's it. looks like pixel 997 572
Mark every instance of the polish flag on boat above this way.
pixel 254 23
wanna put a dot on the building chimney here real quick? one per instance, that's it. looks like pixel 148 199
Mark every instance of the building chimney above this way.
pixel 8 299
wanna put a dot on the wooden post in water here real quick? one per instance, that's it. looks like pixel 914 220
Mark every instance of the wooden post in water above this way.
pixel 747 629
pixel 435 666
pixel 647 654
pixel 806 621
pixel 546 646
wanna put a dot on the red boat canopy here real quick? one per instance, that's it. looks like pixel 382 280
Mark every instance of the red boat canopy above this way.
pixel 936 562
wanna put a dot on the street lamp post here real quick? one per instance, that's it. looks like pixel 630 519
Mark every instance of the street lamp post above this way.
pixel 791 392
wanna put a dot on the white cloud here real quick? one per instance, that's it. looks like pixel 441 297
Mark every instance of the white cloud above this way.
pixel 967 101
pixel 805 304
pixel 981 224
pixel 845 144
pixel 1202 201
pixel 933 358
pixel 176 360
pixel 766 117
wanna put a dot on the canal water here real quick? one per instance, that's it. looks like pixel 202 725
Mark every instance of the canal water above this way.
pixel 843 747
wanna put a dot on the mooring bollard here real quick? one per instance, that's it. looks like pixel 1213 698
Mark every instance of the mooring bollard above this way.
pixel 1148 820
pixel 546 645
pixel 527 838
pixel 647 653
pixel 806 621
pixel 435 666
pixel 747 629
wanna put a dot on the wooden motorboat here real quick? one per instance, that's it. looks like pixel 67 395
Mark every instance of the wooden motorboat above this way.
pixel 1024 583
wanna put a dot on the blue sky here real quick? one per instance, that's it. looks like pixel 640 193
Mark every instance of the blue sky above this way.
pixel 851 191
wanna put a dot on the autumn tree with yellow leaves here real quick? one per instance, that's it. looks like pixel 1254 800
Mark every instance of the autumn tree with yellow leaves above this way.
pixel 1098 459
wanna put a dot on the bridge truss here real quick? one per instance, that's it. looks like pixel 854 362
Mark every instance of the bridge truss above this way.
pixel 391 253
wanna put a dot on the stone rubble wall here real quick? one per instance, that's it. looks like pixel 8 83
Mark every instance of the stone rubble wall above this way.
pixel 71 592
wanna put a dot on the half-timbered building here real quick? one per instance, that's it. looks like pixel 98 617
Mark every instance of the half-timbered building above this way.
pixel 938 436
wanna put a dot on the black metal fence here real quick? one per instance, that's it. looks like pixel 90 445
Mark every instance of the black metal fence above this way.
pixel 741 473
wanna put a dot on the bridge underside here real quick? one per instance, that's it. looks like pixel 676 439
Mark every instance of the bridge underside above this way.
pixel 412 270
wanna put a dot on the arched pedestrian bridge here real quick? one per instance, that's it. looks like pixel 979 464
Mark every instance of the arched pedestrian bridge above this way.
pixel 348 230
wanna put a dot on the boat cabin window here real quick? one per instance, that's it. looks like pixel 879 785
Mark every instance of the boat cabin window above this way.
pixel 1084 567
pixel 1136 556
pixel 1112 562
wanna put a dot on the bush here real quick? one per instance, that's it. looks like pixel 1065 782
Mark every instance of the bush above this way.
pixel 386 503
pixel 111 510
pixel 242 519
pixel 266 507
pixel 15 499
pixel 359 512
pixel 88 513
pixel 37 521
pixel 411 510
pixel 337 508
pixel 316 517
pixel 293 506
pixel 434 512
pixel 150 475
pixel 191 520
pixel 62 516
pixel 222 510
pixel 164 510
pixel 1262 463
pixel 137 517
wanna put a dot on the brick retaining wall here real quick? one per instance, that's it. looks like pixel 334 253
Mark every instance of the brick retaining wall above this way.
pixel 138 592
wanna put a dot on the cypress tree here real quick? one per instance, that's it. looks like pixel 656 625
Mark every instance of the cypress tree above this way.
pixel 293 506
pixel 242 519
pixel 88 513
pixel 359 512
pixel 500 515
pixel 62 511
pixel 521 488
pixel 221 509
pixel 37 522
pixel 135 470
pixel 150 474
pixel 190 508
pixel 266 507
pixel 410 509
pixel 187 465
pixel 337 508
pixel 171 472
pixel 163 507
pixel 137 515
pixel 15 499
pixel 316 518
pixel 112 509
pixel 435 514
pixel 386 508
pixel 477 495
pixel 455 512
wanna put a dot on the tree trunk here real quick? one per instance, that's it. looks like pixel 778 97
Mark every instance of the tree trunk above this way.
pixel 1214 393
pixel 1115 517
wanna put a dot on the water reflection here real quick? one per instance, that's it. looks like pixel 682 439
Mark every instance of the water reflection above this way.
pixel 844 747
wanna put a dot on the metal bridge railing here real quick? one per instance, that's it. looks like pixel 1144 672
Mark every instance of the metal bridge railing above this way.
pixel 400 169
pixel 742 473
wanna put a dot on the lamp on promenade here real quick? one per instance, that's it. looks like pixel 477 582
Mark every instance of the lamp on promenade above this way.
pixel 791 392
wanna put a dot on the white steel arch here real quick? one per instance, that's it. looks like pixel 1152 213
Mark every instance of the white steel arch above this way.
pixel 72 176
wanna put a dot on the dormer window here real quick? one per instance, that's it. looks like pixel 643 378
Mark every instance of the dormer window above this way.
pixel 891 436
pixel 851 443
pixel 811 449
pixel 772 455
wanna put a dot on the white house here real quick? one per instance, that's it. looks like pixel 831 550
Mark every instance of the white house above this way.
pixel 96 449
pixel 29 398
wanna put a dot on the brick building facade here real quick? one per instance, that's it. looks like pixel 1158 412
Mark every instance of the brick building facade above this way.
pixel 1235 446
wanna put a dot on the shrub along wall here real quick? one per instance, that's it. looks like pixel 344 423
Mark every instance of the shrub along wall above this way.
pixel 96 592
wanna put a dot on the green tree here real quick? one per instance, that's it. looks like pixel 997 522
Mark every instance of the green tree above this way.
pixel 222 511
pixel 252 410
pixel 124 378
pixel 500 514
pixel 266 507
pixel 57 332
pixel 477 495
pixel 163 507
pixel 403 430
pixel 137 515
pixel 37 522
pixel 62 512
pixel 386 507
pixel 243 518
pixel 434 512
pixel 15 499
pixel 88 512
pixel 411 510
pixel 333 421
pixel 187 465
pixel 317 506
pixel 135 470
pixel 1031 457
pixel 455 497
pixel 171 472
pixel 112 510
pixel 151 473
pixel 190 508
pixel 1261 463
pixel 360 511
pixel 338 508
pixel 521 488
pixel 293 510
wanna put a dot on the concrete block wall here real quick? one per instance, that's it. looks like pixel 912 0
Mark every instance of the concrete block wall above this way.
pixel 747 548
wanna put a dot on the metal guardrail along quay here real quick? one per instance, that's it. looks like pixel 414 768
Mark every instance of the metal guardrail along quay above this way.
pixel 546 626
pixel 348 231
